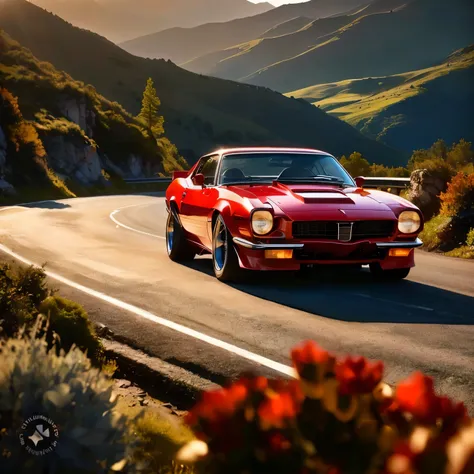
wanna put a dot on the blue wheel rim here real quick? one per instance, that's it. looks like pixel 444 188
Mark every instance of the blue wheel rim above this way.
pixel 169 233
pixel 220 245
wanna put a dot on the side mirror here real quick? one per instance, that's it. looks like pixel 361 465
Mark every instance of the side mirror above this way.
pixel 360 181
pixel 180 174
pixel 198 179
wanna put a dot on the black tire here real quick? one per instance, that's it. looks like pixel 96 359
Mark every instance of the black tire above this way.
pixel 391 275
pixel 224 256
pixel 177 246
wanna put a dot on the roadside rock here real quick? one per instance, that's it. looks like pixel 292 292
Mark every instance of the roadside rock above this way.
pixel 6 188
pixel 77 111
pixel 454 232
pixel 425 188
pixel 135 166
pixel 3 150
pixel 74 158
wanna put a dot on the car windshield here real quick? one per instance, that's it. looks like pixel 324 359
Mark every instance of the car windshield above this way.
pixel 245 168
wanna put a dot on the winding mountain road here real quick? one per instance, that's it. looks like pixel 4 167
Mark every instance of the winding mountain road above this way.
pixel 109 254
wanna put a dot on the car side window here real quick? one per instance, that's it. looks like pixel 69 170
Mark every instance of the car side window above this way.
pixel 208 168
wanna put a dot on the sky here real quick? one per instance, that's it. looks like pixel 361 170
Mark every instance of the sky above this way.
pixel 277 3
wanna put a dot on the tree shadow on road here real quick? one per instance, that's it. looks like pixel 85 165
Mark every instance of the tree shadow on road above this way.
pixel 46 205
pixel 355 296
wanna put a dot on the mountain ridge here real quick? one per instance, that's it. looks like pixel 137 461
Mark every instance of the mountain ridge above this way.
pixel 201 112
pixel 181 45
pixel 119 20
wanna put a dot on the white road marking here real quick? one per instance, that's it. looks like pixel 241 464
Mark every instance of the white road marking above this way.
pixel 112 216
pixel 284 369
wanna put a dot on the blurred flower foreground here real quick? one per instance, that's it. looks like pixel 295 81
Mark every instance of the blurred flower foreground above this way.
pixel 337 417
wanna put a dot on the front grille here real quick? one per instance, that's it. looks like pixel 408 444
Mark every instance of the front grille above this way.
pixel 330 230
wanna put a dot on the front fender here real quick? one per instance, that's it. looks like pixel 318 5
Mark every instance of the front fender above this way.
pixel 236 218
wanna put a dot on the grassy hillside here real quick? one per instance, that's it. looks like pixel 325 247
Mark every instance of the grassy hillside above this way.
pixel 59 129
pixel 201 113
pixel 242 59
pixel 183 44
pixel 411 109
pixel 417 36
pixel 120 20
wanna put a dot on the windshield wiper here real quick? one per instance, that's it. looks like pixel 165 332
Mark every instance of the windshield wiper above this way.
pixel 233 183
pixel 313 179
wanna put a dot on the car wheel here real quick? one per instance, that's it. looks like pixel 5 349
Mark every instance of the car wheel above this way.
pixel 224 257
pixel 177 246
pixel 395 274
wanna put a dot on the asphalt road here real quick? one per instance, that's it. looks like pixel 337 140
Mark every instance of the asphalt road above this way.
pixel 184 315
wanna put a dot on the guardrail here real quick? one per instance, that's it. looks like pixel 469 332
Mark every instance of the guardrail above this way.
pixel 369 182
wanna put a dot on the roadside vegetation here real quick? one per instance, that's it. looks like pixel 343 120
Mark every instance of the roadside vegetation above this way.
pixel 43 109
pixel 53 363
pixel 442 186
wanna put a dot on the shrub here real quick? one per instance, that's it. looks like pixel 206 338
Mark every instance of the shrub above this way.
pixel 459 196
pixel 356 165
pixel 470 238
pixel 338 417
pixel 21 292
pixel 24 295
pixel 71 323
pixel 77 398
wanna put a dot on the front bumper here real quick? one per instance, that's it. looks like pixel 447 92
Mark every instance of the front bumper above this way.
pixel 252 254
pixel 261 246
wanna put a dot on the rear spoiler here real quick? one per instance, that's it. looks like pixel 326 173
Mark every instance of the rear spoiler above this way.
pixel 180 174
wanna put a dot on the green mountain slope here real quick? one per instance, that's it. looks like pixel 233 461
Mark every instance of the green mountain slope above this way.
pixel 183 44
pixel 201 112
pixel 417 36
pixel 411 109
pixel 119 20
pixel 59 129
pixel 241 60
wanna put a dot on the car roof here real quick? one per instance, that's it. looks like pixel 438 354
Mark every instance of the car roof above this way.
pixel 227 151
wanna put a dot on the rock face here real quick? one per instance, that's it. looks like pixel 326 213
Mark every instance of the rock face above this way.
pixel 3 150
pixel 425 188
pixel 76 111
pixel 5 187
pixel 79 161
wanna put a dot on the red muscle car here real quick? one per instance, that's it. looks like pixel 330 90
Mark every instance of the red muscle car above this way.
pixel 284 209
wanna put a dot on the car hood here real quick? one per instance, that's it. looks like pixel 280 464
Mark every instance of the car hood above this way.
pixel 306 201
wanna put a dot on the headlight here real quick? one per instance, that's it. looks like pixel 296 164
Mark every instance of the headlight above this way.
pixel 409 222
pixel 262 222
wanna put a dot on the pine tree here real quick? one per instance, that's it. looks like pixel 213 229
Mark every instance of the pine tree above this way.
pixel 149 112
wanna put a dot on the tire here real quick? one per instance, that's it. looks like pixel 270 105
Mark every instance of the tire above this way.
pixel 177 246
pixel 391 275
pixel 224 256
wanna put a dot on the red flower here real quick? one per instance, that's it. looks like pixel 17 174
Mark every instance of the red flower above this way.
pixel 401 461
pixel 358 375
pixel 309 353
pixel 218 404
pixel 416 396
pixel 278 443
pixel 452 413
pixel 275 410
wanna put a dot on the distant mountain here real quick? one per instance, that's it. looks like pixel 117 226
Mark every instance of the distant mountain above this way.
pixel 414 37
pixel 183 44
pixel 201 112
pixel 410 110
pixel 243 59
pixel 119 20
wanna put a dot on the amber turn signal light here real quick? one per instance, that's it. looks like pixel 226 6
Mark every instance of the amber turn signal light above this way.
pixel 399 252
pixel 278 253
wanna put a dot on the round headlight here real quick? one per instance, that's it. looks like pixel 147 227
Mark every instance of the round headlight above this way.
pixel 262 222
pixel 409 222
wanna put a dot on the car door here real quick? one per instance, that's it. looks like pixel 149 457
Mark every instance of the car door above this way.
pixel 197 201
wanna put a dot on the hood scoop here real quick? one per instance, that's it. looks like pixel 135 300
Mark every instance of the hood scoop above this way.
pixel 324 197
